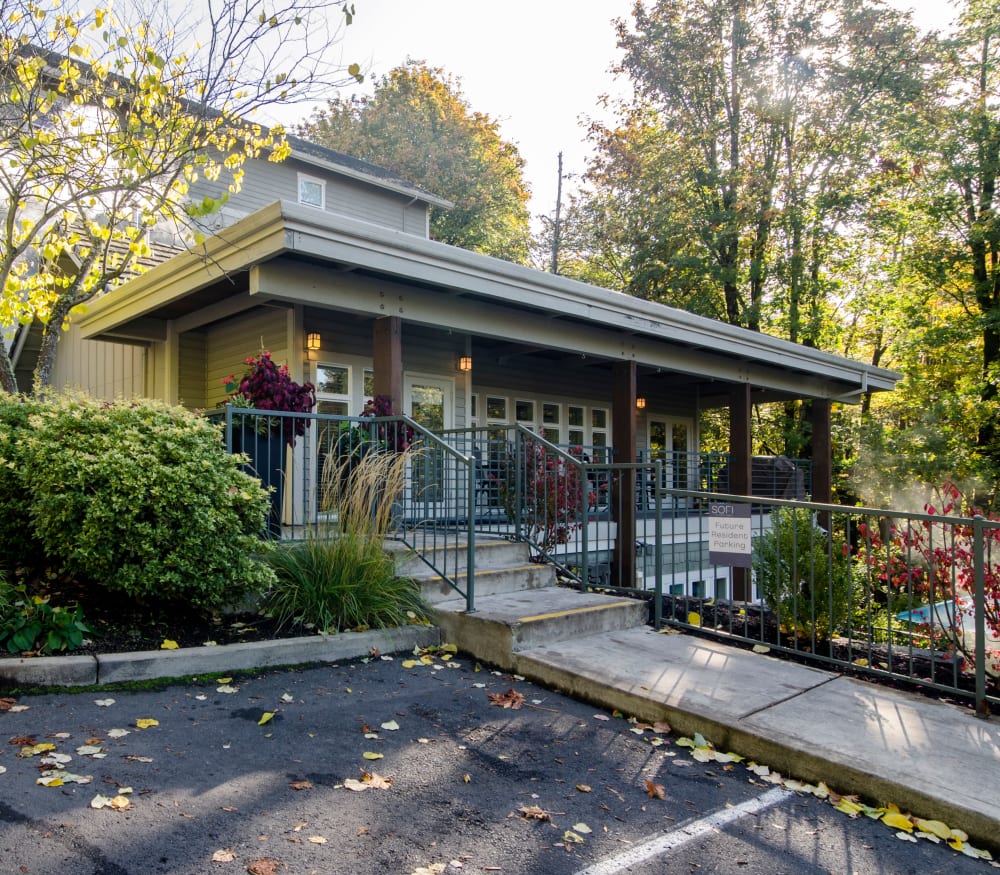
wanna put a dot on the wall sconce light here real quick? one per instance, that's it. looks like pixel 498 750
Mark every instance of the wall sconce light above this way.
pixel 465 363
pixel 313 341
pixel 640 403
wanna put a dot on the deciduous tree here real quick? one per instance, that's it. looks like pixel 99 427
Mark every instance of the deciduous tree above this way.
pixel 419 124
pixel 107 117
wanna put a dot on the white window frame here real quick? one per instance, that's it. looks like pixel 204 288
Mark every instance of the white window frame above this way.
pixel 305 179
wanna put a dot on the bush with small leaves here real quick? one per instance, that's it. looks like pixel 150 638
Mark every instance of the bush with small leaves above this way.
pixel 141 498
pixel 17 544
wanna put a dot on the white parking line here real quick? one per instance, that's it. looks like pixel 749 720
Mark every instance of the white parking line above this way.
pixel 661 844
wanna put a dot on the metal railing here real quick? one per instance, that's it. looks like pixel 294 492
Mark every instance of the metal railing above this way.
pixel 911 597
pixel 907 596
pixel 312 462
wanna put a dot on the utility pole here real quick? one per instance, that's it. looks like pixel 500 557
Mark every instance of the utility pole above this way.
pixel 556 226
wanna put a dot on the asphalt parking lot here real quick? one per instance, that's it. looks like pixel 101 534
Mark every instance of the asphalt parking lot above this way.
pixel 396 766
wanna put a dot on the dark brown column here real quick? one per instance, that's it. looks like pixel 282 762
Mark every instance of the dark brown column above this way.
pixel 739 439
pixel 623 433
pixel 387 355
pixel 822 447
pixel 740 482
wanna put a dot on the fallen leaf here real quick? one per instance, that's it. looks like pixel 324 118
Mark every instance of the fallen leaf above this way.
pixel 168 644
pixel 86 750
pixel 224 855
pixel 390 726
pixel 934 827
pixel 371 755
pixel 655 791
pixel 265 866
pixel 317 840
pixel 301 785
pixel 226 688
pixel 511 699
pixel 117 733
pixel 467 778
pixel 104 703
pixel 897 821
pixel 761 648
pixel 583 788
pixel 36 749
pixel 377 781
pixel 23 741
pixel 287 698
pixel 582 828
pixel 534 812
pixel 571 837
pixel 355 785
pixel 694 619
pixel 146 723
pixel 601 717
pixel 7 703
pixel 661 727
pixel 265 718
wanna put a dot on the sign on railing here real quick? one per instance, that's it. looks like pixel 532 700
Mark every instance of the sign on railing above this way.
pixel 730 540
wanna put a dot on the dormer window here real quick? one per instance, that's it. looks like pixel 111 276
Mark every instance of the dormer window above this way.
pixel 312 191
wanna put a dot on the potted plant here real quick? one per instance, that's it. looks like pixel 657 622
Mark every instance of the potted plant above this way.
pixel 268 386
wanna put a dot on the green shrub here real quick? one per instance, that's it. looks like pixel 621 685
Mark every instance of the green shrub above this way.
pixel 17 543
pixel 142 498
pixel 802 574
pixel 344 581
pixel 31 623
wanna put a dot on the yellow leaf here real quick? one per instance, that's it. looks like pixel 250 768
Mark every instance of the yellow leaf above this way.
pixel 583 788
pixel 410 663
pixel 146 723
pixel 571 837
pixel 761 648
pixel 694 619
pixel 371 755
pixel 168 644
pixel 897 821
pixel 317 840
pixel 224 855
pixel 849 808
pixel 265 717
pixel 390 726
pixel 467 778
pixel 934 827
pixel 225 680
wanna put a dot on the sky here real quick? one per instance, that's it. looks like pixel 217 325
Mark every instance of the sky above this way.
pixel 538 67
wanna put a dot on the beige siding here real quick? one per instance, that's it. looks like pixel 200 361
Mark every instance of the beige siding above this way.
pixel 228 346
pixel 104 370
pixel 191 366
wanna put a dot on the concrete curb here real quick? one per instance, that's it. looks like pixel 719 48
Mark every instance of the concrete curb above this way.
pixel 77 671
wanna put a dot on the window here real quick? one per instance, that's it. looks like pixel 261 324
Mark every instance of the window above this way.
pixel 312 191
pixel 524 411
pixel 496 409
pixel 369 387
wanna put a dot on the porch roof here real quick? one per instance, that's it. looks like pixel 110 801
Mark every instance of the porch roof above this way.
pixel 285 253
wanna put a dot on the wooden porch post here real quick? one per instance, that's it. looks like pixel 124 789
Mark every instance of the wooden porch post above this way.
pixel 623 436
pixel 387 356
pixel 822 452
pixel 740 482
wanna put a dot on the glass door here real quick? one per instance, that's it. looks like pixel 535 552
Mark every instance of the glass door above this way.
pixel 432 491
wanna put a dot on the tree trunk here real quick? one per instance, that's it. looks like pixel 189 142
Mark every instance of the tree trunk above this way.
pixel 42 379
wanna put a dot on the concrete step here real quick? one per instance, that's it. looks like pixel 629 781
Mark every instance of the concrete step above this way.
pixel 489 582
pixel 452 557
pixel 504 625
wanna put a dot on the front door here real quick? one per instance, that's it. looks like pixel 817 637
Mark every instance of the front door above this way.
pixel 430 402
pixel 669 443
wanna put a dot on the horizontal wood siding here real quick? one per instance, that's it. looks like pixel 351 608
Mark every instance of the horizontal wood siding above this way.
pixel 228 346
pixel 191 382
pixel 265 182
pixel 104 370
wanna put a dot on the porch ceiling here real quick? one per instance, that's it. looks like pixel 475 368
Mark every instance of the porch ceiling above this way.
pixel 297 255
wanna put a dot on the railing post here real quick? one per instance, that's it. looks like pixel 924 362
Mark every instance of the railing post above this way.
pixel 658 546
pixel 979 568
pixel 470 555
pixel 229 429
pixel 519 474
pixel 585 537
